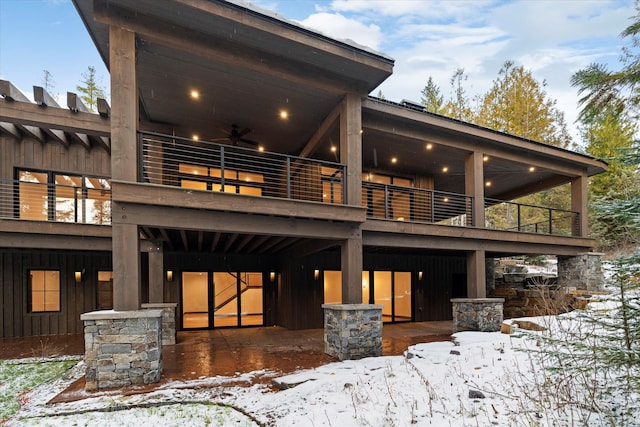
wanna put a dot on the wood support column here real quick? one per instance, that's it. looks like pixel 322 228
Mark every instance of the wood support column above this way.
pixel 351 155
pixel 124 166
pixel 476 275
pixel 156 274
pixel 351 265
pixel 579 204
pixel 474 186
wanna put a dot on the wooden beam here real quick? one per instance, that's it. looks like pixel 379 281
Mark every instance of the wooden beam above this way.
pixel 11 129
pixel 56 118
pixel 103 108
pixel 57 135
pixel 282 245
pixel 42 97
pixel 476 276
pixel 230 240
pixel 313 143
pixel 215 240
pixel 310 247
pixel 185 241
pixel 11 93
pixel 81 138
pixel 102 141
pixel 259 240
pixel 55 242
pixel 200 240
pixel 33 132
pixel 351 266
pixel 244 242
pixel 151 194
pixel 75 104
pixel 351 146
pixel 165 237
pixel 271 243
pixel 148 233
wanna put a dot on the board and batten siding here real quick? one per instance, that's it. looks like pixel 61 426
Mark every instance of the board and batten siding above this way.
pixel 75 298
pixel 52 156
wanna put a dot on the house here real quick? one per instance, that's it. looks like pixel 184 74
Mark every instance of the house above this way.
pixel 243 176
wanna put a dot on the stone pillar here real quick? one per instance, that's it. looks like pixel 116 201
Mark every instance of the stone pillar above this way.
pixel 583 272
pixel 122 348
pixel 168 320
pixel 352 331
pixel 477 314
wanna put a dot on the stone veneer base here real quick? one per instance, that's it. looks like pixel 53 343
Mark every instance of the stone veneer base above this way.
pixel 168 320
pixel 477 314
pixel 352 331
pixel 122 348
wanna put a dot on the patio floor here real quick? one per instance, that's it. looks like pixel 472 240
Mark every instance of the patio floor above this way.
pixel 226 352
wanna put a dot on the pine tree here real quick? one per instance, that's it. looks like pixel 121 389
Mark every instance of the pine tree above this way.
pixel 432 98
pixel 89 89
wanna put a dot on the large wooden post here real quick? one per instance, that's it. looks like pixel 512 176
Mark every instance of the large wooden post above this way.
pixel 124 121
pixel 156 273
pixel 351 155
pixel 474 186
pixel 579 204
pixel 476 275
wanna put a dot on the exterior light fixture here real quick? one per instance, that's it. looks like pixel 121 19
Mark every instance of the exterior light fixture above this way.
pixel 195 137
pixel 334 148
pixel 272 276
pixel 169 275
pixel 445 169
pixel 487 184
pixel 485 158
pixel 394 160
pixel 195 94
pixel 260 148
pixel 79 275
pixel 316 274
pixel 446 199
pixel 284 115
pixel 532 168
pixel 419 275
pixel 429 146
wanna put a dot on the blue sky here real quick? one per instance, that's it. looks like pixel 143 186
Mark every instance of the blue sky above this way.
pixel 552 38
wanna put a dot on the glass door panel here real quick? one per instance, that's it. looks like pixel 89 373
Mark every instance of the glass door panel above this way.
pixel 225 299
pixel 366 288
pixel 382 293
pixel 401 296
pixel 195 300
pixel 251 299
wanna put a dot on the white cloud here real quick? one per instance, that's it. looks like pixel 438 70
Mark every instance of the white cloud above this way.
pixel 338 26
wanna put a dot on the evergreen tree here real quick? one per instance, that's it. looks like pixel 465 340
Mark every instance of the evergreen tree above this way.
pixel 89 89
pixel 458 107
pixel 432 98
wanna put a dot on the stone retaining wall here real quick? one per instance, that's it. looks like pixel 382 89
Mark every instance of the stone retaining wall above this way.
pixel 168 320
pixel 352 331
pixel 477 314
pixel 122 348
pixel 582 272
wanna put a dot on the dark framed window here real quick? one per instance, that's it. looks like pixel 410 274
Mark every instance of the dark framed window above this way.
pixel 44 290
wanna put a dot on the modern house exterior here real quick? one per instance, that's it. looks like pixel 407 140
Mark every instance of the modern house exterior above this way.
pixel 243 174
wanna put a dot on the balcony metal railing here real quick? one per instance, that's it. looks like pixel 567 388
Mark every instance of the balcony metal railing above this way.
pixel 54 202
pixel 208 166
pixel 511 216
pixel 386 201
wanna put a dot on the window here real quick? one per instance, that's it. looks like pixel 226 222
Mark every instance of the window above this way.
pixel 46 196
pixel 44 291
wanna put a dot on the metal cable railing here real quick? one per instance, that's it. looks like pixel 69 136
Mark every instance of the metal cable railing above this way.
pixel 511 216
pixel 208 166
pixel 54 202
pixel 399 203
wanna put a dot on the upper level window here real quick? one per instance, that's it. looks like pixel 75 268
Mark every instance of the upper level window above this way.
pixel 44 290
pixel 48 196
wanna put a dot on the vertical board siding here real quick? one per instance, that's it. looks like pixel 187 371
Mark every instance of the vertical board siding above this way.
pixel 76 298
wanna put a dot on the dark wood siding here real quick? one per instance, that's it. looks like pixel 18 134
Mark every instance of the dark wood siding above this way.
pixel 75 298
pixel 52 156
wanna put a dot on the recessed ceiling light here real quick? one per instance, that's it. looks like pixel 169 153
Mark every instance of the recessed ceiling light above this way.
pixel 445 169
pixel 260 148
pixel 532 168
pixel 361 131
pixel 487 184
pixel 195 137
pixel 334 149
pixel 284 114
pixel 485 158
pixel 446 199
pixel 394 160
pixel 429 146
pixel 195 94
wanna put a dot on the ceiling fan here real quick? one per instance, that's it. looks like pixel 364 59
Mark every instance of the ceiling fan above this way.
pixel 236 137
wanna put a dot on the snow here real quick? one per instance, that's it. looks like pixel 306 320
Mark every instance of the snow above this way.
pixel 477 379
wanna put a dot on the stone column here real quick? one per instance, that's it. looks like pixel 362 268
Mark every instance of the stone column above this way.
pixel 352 331
pixel 583 272
pixel 477 314
pixel 122 348
pixel 168 320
